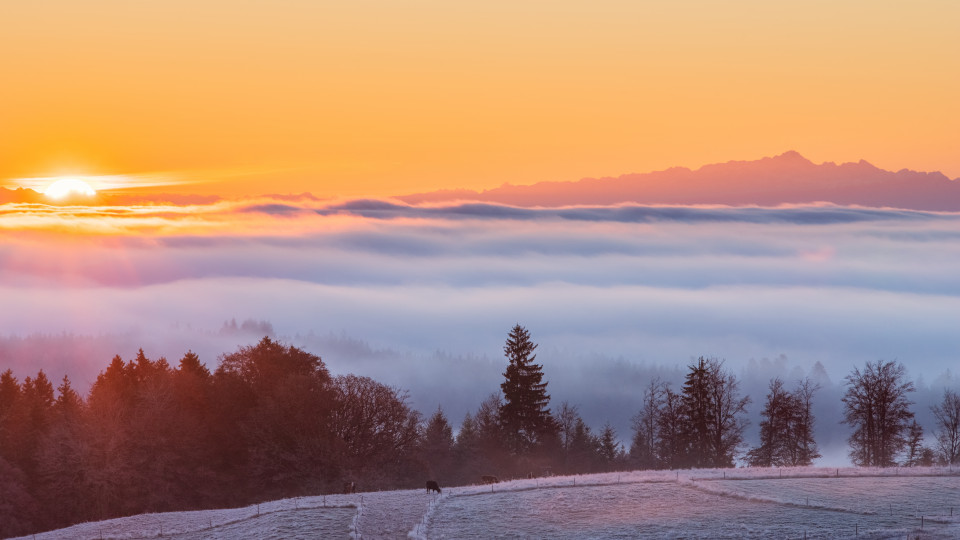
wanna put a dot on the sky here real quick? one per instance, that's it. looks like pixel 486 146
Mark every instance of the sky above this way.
pixel 374 98
pixel 247 155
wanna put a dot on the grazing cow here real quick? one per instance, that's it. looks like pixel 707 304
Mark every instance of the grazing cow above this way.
pixel 488 479
pixel 349 487
pixel 432 485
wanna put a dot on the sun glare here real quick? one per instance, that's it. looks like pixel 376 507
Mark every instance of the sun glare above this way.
pixel 66 187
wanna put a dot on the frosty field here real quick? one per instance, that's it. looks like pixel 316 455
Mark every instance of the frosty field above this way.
pixel 839 508
pixel 733 503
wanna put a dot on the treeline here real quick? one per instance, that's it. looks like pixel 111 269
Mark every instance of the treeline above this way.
pixel 272 422
pixel 269 422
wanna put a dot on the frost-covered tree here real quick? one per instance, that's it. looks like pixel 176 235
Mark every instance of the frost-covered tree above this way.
pixel 524 415
pixel 876 406
pixel 947 414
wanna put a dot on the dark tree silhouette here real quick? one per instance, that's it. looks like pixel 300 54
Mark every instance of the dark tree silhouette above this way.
pixel 643 449
pixel 947 415
pixel 566 420
pixel 914 445
pixel 786 431
pixel 437 447
pixel 876 406
pixel 524 414
pixel 672 442
pixel 610 451
pixel 467 455
pixel 281 399
pixel 713 412
pixel 377 430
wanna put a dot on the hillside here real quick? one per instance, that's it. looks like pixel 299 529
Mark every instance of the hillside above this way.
pixel 800 502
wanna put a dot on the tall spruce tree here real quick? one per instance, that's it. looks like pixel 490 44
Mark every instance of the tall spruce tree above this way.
pixel 524 414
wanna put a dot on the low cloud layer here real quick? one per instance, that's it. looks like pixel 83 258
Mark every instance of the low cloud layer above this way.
pixel 602 289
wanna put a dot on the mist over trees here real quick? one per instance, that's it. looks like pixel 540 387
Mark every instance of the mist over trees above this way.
pixel 272 421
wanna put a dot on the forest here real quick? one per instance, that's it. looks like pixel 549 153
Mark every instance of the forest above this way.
pixel 271 421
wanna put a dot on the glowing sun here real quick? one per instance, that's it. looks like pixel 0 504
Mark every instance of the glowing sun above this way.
pixel 67 187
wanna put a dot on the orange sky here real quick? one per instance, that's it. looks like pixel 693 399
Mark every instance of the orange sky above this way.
pixel 369 98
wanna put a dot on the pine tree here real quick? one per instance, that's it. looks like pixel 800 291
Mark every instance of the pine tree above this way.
pixel 524 414
pixel 712 409
pixel 609 449
pixel 697 412
pixel 914 444
pixel 438 446
pixel 673 446
pixel 467 455
pixel 786 431
pixel 778 414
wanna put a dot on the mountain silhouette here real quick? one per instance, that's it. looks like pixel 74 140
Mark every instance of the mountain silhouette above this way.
pixel 788 178
pixel 20 195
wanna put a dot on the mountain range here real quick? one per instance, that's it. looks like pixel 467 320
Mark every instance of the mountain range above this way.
pixel 788 178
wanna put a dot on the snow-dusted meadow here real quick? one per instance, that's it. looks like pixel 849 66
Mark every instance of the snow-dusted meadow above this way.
pixel 723 503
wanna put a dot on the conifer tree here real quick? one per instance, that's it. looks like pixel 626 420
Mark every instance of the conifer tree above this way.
pixel 609 449
pixel 712 409
pixel 438 446
pixel 524 414
pixel 914 444
pixel 786 431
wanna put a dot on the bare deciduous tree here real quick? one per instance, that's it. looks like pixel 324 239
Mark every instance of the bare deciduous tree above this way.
pixel 947 414
pixel 643 451
pixel 876 405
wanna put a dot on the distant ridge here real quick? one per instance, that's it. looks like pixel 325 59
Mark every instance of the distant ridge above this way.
pixel 20 195
pixel 788 178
